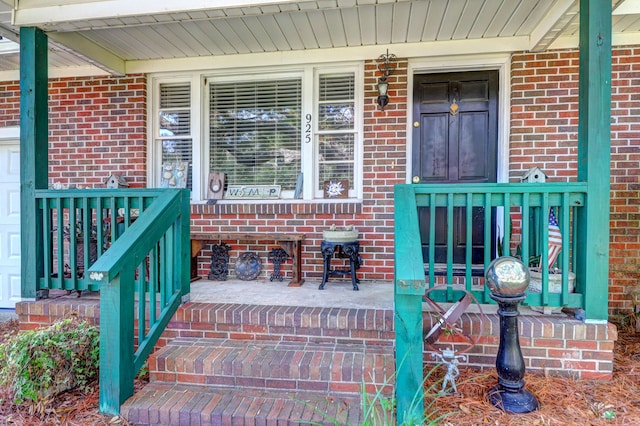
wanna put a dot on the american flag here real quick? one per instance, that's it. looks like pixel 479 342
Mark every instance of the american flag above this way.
pixel 555 239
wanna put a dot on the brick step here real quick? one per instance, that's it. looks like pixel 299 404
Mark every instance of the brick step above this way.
pixel 297 366
pixel 179 404
pixel 262 322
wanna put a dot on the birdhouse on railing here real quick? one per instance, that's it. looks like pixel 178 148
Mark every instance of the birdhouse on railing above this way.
pixel 116 181
pixel 533 175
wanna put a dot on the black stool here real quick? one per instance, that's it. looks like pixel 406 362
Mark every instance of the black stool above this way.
pixel 348 249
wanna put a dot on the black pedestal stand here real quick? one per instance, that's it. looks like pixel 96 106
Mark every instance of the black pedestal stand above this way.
pixel 510 394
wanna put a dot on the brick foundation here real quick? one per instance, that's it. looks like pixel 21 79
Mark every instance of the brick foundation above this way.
pixel 552 345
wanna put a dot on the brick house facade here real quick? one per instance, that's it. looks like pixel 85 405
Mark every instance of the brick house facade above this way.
pixel 98 126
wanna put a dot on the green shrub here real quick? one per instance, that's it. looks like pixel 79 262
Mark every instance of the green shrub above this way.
pixel 39 364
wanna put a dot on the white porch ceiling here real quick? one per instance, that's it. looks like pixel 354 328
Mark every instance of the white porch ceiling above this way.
pixel 115 34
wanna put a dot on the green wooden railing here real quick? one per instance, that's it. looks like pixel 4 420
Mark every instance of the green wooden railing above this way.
pixel 522 203
pixel 74 219
pixel 136 244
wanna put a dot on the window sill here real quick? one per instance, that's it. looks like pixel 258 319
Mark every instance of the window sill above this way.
pixel 336 206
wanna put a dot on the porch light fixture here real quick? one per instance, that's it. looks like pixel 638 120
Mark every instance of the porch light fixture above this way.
pixel 387 64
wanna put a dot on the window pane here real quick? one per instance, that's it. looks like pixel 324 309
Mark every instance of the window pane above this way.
pixel 336 116
pixel 255 131
pixel 336 147
pixel 175 123
pixel 175 95
pixel 336 171
pixel 337 87
pixel 178 150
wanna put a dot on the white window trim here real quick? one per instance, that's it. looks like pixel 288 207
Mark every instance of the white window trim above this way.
pixel 200 135
pixel 154 152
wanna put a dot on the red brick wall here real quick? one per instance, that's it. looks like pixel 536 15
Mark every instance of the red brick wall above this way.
pixel 97 127
pixel 544 131
pixel 9 103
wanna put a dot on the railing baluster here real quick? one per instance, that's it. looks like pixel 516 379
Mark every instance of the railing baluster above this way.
pixel 564 254
pixel 141 287
pixel 47 241
pixel 468 263
pixel 432 239
pixel 60 235
pixel 153 284
pixel 525 228
pixel 449 246
pixel 488 256
pixel 544 258
pixel 506 224
pixel 163 272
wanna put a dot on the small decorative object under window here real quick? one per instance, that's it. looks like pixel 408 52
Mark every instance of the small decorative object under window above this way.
pixel 277 256
pixel 215 187
pixel 174 174
pixel 219 262
pixel 336 188
pixel 248 266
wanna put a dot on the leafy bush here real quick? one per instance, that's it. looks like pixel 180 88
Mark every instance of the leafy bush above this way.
pixel 39 364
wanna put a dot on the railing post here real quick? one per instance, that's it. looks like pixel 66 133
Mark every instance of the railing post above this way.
pixel 33 153
pixel 116 340
pixel 409 288
pixel 594 153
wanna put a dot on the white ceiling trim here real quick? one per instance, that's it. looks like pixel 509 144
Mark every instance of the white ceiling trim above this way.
pixel 31 12
pixel 59 72
pixel 405 50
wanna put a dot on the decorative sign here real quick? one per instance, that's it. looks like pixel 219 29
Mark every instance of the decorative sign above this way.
pixel 215 186
pixel 174 174
pixel 336 188
pixel 237 192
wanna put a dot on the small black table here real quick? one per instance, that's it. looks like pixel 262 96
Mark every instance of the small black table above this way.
pixel 348 249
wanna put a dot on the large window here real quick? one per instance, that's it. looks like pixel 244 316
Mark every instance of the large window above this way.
pixel 295 130
pixel 254 132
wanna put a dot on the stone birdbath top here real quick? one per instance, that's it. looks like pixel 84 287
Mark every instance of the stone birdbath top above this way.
pixel 340 235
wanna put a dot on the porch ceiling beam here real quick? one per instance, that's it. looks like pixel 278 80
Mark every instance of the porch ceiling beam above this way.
pixel 30 12
pixel 561 14
pixel 627 7
pixel 90 52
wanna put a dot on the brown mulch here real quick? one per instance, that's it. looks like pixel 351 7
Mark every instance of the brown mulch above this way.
pixel 563 401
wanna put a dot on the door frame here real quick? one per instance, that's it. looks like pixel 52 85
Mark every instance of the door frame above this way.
pixel 499 62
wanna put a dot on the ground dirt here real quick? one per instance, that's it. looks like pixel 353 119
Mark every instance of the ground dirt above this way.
pixel 563 401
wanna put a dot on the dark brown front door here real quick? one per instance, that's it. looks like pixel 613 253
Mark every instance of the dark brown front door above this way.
pixel 455 142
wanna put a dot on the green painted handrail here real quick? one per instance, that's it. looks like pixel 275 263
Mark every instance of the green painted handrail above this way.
pixel 149 263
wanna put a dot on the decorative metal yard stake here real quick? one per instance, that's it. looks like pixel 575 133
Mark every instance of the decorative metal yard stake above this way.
pixel 508 278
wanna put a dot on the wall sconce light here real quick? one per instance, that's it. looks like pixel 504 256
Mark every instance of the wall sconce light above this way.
pixel 387 64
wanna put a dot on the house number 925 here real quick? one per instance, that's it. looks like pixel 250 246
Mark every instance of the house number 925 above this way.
pixel 307 128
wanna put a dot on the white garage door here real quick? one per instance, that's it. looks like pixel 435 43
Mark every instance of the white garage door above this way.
pixel 9 223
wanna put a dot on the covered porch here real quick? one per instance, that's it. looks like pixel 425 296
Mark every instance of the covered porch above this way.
pixel 149 260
